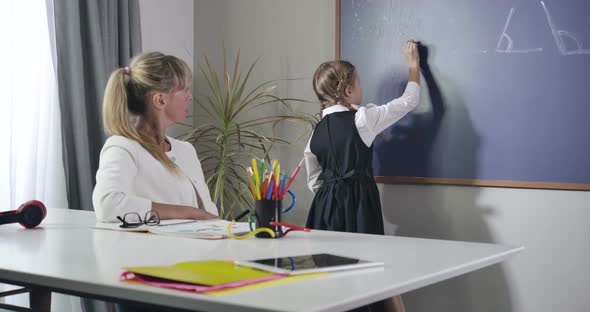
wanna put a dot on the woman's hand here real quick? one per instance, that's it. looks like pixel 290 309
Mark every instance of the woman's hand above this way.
pixel 202 214
pixel 166 211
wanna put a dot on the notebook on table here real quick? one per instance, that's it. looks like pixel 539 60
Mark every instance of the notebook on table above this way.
pixel 215 277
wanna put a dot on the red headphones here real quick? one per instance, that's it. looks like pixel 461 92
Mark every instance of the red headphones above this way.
pixel 29 214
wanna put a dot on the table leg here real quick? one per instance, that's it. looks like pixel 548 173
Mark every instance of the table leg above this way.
pixel 40 299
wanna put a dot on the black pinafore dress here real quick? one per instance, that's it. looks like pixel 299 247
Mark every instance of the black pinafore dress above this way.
pixel 348 199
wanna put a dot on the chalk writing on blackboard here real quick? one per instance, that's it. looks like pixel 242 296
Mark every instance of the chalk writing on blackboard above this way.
pixel 567 42
pixel 559 35
pixel 509 46
pixel 506 44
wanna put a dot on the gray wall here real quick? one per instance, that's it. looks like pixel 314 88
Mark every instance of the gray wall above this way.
pixel 550 275
pixel 168 27
pixel 293 37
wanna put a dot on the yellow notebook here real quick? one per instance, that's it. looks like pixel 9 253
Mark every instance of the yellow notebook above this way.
pixel 209 272
pixel 277 282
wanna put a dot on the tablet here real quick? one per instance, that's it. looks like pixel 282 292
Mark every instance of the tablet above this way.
pixel 304 264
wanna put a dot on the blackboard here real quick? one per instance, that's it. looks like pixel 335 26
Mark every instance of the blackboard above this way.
pixel 505 89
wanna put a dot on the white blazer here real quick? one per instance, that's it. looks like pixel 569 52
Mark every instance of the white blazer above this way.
pixel 129 179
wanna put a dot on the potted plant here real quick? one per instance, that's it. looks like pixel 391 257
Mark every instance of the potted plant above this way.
pixel 234 133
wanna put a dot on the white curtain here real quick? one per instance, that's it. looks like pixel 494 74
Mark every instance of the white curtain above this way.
pixel 30 134
pixel 31 160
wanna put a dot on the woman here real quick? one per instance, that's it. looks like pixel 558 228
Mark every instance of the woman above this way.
pixel 142 170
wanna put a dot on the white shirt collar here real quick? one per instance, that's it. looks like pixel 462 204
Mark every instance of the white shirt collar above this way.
pixel 337 108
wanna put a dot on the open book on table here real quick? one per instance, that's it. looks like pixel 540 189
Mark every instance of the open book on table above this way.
pixel 204 229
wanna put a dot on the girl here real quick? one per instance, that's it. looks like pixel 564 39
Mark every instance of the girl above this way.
pixel 142 170
pixel 338 156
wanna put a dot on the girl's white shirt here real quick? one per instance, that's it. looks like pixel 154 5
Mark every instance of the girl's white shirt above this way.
pixel 370 120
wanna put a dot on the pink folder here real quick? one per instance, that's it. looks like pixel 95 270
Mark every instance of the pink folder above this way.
pixel 166 283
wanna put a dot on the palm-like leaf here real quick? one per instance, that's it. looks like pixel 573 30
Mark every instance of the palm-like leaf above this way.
pixel 230 138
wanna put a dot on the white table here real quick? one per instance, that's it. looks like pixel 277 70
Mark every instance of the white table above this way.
pixel 67 255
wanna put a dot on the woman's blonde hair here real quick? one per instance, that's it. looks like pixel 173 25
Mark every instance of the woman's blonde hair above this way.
pixel 330 80
pixel 129 91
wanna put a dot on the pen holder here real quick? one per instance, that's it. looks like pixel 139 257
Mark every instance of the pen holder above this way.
pixel 266 212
